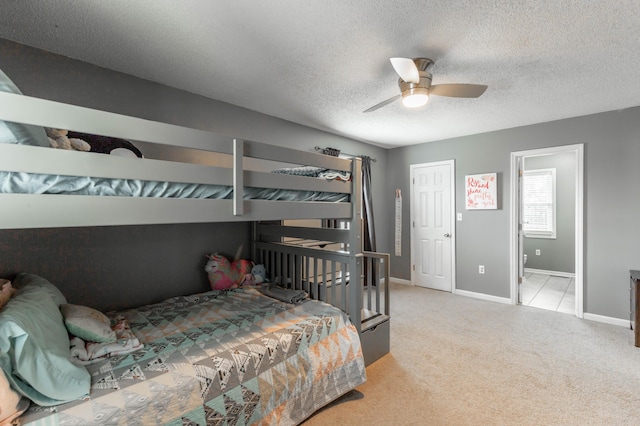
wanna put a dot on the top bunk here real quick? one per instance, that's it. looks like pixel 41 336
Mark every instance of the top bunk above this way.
pixel 185 176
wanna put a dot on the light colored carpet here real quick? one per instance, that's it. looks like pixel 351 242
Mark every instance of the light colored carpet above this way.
pixel 461 361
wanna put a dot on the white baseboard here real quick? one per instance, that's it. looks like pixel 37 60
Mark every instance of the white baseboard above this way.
pixel 554 273
pixel 507 301
pixel 400 281
pixel 482 296
pixel 607 320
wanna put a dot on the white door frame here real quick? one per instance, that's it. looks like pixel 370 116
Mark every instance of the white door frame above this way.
pixel 451 163
pixel 578 150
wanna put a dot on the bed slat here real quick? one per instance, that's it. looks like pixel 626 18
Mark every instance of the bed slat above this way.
pixel 328 234
pixel 288 155
pixel 33 159
pixel 41 112
pixel 54 210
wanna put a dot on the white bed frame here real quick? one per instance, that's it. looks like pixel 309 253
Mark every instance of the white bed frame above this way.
pixel 368 310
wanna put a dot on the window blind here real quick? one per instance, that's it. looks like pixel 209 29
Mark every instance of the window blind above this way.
pixel 539 202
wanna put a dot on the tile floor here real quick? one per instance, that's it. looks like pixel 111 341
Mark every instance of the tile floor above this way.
pixel 548 292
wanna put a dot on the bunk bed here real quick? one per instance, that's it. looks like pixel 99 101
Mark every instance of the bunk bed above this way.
pixel 342 326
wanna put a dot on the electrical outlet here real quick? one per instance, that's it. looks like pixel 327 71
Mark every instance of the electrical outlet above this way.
pixel 481 269
pixel 537 252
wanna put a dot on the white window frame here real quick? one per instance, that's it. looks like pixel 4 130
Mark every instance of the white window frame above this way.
pixel 540 233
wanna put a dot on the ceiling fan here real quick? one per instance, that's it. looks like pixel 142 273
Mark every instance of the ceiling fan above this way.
pixel 415 84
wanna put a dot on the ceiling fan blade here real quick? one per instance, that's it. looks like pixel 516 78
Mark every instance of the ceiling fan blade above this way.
pixel 383 103
pixel 406 69
pixel 458 90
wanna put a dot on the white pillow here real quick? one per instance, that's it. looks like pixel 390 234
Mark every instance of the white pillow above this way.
pixel 87 323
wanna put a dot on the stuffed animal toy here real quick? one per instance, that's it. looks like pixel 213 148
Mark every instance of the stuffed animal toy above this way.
pixel 108 145
pixel 6 292
pixel 257 276
pixel 58 139
pixel 260 273
pixel 225 275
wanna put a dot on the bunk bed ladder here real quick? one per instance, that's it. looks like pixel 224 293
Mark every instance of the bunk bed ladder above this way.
pixel 375 316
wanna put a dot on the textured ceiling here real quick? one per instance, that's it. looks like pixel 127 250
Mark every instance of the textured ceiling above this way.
pixel 322 63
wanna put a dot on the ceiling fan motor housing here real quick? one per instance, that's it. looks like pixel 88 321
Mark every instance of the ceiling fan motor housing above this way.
pixel 415 84
pixel 421 87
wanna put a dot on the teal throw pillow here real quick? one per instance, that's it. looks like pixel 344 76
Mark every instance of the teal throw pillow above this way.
pixel 34 349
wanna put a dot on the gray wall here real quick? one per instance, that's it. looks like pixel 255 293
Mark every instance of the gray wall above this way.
pixel 556 254
pixel 612 202
pixel 612 174
pixel 42 74
pixel 119 267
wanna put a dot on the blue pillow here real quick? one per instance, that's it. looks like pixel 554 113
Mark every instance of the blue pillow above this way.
pixel 34 347
pixel 18 133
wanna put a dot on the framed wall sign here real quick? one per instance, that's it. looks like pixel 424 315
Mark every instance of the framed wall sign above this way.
pixel 481 191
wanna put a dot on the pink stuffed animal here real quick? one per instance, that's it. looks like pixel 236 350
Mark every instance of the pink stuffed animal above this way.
pixel 225 275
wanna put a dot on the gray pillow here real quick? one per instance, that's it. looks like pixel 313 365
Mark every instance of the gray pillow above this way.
pixel 18 133
pixel 25 279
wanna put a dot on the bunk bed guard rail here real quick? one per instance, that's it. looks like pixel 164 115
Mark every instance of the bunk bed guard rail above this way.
pixel 235 154
pixel 357 283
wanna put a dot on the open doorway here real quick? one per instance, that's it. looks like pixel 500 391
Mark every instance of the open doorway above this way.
pixel 546 228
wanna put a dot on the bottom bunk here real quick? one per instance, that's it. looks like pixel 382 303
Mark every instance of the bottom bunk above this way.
pixel 219 357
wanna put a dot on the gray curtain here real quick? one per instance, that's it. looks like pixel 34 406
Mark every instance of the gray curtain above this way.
pixel 367 205
pixel 369 237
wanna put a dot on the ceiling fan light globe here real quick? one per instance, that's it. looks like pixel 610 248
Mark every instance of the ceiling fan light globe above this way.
pixel 415 100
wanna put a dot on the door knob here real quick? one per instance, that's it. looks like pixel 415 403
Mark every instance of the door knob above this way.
pixel 447 235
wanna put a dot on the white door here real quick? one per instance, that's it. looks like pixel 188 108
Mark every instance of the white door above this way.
pixel 431 200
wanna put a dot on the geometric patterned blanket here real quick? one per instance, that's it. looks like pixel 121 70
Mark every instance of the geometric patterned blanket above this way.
pixel 220 358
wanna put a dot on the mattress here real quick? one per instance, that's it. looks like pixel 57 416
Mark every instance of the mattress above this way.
pixel 235 357
pixel 34 183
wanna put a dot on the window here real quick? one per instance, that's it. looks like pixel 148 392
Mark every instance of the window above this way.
pixel 539 203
